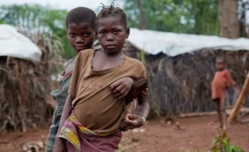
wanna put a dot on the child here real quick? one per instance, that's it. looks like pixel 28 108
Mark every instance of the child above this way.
pixel 80 24
pixel 221 82
pixel 94 120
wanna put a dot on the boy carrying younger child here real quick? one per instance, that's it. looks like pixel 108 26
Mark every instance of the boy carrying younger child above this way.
pixel 92 116
pixel 80 30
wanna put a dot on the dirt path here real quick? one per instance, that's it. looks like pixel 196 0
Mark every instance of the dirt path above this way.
pixel 195 133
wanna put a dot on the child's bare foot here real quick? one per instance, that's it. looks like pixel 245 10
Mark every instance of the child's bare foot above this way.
pixel 218 127
pixel 225 128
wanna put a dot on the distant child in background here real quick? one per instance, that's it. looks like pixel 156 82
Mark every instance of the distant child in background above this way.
pixel 221 82
pixel 80 24
pixel 96 116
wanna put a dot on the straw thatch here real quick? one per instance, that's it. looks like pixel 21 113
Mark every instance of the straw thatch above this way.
pixel 181 84
pixel 25 86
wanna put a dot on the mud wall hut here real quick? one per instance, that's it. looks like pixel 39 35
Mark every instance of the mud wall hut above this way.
pixel 180 67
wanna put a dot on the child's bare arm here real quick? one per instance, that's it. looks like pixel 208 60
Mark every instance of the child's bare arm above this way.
pixel 67 107
pixel 236 86
pixel 138 120
pixel 231 82
pixel 59 143
pixel 121 87
pixel 144 107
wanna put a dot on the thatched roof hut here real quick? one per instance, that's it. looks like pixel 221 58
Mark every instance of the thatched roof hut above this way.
pixel 25 70
pixel 181 66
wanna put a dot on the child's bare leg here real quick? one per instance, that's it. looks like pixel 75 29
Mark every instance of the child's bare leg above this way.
pixel 223 113
pixel 218 108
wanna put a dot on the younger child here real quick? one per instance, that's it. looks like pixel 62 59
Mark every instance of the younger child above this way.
pixel 92 116
pixel 221 82
pixel 80 24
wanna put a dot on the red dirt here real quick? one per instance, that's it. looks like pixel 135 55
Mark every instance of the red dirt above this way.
pixel 193 133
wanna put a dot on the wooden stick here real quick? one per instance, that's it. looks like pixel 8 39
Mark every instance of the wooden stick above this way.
pixel 239 101
pixel 197 114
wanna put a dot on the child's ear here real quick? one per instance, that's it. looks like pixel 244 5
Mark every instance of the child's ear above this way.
pixel 127 32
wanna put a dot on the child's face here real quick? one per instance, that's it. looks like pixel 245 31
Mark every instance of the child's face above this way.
pixel 80 36
pixel 111 34
pixel 220 65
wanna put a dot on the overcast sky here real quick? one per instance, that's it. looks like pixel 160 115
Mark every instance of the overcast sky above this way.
pixel 65 4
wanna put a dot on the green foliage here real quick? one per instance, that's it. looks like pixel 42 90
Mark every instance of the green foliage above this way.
pixel 188 16
pixel 221 143
pixel 142 56
pixel 36 19
pixel 156 109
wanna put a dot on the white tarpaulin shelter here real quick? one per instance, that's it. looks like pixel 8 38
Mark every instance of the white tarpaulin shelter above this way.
pixel 172 44
pixel 17 45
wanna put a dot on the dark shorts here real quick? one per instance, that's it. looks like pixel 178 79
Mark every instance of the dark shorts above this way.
pixel 216 100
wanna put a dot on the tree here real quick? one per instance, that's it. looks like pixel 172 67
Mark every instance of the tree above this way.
pixel 36 19
pixel 228 18
pixel 199 17
pixel 243 7
pixel 142 24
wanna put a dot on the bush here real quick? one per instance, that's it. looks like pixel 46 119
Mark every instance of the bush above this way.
pixel 221 143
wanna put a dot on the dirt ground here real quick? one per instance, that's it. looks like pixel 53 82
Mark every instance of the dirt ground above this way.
pixel 192 133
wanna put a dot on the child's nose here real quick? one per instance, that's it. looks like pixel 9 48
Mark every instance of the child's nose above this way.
pixel 79 39
pixel 109 37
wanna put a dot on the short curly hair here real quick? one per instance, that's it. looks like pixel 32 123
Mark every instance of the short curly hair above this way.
pixel 112 11
pixel 81 15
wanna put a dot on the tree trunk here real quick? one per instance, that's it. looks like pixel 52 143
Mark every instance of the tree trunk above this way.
pixel 142 23
pixel 228 18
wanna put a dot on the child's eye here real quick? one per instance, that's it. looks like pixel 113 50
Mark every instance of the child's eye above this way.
pixel 116 31
pixel 86 34
pixel 72 35
pixel 102 32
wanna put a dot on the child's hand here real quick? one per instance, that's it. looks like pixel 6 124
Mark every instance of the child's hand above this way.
pixel 59 146
pixel 236 87
pixel 133 121
pixel 121 87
